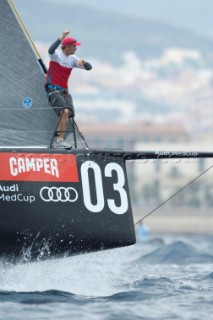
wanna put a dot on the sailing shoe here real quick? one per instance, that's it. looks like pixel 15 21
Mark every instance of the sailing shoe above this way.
pixel 61 144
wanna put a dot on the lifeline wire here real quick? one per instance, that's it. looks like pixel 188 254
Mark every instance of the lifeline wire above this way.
pixel 172 196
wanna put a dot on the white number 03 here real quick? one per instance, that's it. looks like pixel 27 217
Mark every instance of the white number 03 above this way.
pixel 100 199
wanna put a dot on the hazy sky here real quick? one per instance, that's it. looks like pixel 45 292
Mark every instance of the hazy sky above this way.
pixel 192 14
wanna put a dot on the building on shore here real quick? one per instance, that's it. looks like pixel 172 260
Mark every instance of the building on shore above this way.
pixel 127 135
pixel 158 179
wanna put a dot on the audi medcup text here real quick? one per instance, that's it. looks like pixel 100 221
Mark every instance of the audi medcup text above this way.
pixel 12 188
pixel 17 197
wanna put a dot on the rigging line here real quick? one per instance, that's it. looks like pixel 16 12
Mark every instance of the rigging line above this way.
pixel 33 131
pixel 81 134
pixel 26 131
pixel 27 109
pixel 39 99
pixel 172 196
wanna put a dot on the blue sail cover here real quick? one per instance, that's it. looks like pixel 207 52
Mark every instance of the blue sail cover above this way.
pixel 26 119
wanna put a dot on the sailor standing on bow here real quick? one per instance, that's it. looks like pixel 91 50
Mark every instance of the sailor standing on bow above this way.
pixel 60 67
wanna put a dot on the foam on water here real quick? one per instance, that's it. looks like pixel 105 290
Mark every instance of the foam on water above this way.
pixel 166 279
pixel 94 274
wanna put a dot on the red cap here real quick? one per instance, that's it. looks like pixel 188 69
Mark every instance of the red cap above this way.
pixel 70 41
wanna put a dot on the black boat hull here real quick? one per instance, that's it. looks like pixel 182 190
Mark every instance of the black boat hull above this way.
pixel 62 203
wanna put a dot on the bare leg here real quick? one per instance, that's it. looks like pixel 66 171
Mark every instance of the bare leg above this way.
pixel 62 126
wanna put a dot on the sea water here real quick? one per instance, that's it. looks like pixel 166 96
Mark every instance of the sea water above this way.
pixel 161 277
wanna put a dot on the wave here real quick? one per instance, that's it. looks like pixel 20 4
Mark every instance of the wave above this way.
pixel 178 252
pixel 45 297
pixel 209 276
pixel 131 272
pixel 152 281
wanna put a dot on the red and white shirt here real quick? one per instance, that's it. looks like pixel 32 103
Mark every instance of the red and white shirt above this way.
pixel 60 68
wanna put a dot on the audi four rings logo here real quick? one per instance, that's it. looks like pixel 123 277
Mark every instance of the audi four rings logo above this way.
pixel 60 194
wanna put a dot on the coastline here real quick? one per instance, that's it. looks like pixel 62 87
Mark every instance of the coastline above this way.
pixel 177 220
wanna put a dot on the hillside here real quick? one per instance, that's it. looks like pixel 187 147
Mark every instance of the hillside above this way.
pixel 107 35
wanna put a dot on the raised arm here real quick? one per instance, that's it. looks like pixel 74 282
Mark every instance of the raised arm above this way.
pixel 56 44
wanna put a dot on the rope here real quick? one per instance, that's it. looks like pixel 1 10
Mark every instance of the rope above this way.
pixel 35 131
pixel 28 109
pixel 172 196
